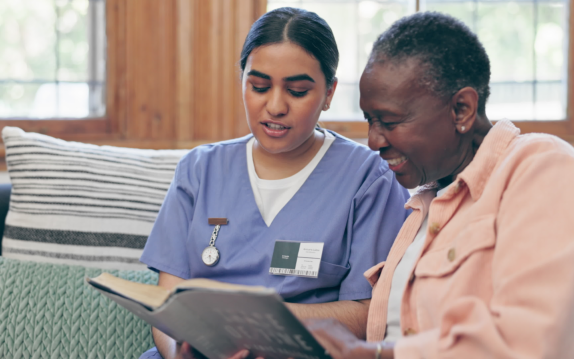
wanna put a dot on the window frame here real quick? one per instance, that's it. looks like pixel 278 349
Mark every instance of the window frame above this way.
pixel 561 128
pixel 93 128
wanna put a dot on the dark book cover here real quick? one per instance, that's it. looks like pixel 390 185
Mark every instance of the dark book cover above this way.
pixel 218 323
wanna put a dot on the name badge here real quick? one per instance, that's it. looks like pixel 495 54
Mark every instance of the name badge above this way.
pixel 296 258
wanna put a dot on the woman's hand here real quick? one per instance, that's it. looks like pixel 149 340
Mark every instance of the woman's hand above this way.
pixel 183 351
pixel 242 355
pixel 341 343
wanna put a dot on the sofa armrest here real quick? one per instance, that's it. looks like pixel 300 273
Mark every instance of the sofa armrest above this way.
pixel 5 190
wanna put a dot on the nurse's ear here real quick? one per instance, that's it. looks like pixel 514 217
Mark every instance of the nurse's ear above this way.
pixel 330 93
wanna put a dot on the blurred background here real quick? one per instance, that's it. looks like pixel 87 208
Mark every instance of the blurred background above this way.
pixel 527 42
pixel 163 74
pixel 52 58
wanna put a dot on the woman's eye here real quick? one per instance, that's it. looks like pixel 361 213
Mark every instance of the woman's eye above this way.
pixel 260 89
pixel 298 93
pixel 374 121
pixel 389 125
pixel 380 124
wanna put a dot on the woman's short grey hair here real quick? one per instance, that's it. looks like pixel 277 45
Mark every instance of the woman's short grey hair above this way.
pixel 450 55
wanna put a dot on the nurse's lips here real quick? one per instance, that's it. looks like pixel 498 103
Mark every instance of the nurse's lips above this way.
pixel 274 128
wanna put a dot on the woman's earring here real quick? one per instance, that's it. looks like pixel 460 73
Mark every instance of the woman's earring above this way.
pixel 326 107
pixel 462 129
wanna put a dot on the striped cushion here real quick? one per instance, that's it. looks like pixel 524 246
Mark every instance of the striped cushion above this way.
pixel 81 204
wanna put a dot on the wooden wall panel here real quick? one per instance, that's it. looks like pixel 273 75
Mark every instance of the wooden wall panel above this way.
pixel 116 59
pixel 203 74
pixel 217 36
pixel 246 13
pixel 229 83
pixel 151 69
pixel 185 81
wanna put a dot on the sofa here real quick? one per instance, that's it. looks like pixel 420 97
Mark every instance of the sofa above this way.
pixel 72 211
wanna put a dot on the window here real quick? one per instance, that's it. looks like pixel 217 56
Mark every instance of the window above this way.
pixel 526 40
pixel 52 59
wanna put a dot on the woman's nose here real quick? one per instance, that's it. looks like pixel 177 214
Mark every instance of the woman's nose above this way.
pixel 277 106
pixel 377 140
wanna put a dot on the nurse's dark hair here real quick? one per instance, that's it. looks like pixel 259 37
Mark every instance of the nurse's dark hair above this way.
pixel 303 28
pixel 450 55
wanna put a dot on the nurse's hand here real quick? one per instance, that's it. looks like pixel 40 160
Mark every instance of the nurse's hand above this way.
pixel 341 343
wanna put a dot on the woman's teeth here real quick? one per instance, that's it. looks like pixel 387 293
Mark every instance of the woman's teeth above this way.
pixel 274 126
pixel 397 161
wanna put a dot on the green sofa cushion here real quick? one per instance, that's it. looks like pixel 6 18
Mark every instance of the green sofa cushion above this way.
pixel 49 311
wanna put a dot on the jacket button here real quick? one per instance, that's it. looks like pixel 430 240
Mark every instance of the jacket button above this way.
pixel 451 255
pixel 409 331
pixel 434 228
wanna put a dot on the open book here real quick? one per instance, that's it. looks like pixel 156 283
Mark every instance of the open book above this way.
pixel 218 319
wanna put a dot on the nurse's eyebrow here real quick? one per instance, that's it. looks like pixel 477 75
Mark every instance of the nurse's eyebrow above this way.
pixel 302 77
pixel 258 74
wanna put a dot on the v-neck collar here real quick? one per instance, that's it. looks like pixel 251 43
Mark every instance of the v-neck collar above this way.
pixel 249 162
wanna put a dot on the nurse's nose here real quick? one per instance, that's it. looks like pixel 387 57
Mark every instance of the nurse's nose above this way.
pixel 276 105
pixel 377 140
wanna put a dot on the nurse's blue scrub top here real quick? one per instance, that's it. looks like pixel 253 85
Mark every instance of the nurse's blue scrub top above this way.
pixel 351 202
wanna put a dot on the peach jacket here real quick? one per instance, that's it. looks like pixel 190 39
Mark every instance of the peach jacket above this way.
pixel 496 275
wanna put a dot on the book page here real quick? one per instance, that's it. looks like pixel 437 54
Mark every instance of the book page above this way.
pixel 198 283
pixel 147 294
pixel 153 296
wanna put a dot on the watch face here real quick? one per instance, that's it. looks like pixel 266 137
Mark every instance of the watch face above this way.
pixel 210 256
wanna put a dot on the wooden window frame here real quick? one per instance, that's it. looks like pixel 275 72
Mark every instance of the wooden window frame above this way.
pixel 93 128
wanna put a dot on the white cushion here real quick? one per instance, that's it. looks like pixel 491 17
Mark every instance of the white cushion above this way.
pixel 75 203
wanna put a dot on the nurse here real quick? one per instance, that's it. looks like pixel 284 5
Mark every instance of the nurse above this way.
pixel 230 202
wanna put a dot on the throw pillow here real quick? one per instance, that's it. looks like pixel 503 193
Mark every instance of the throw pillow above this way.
pixel 82 204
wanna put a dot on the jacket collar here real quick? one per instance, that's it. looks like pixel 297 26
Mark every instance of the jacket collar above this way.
pixel 421 199
pixel 476 174
pixel 479 169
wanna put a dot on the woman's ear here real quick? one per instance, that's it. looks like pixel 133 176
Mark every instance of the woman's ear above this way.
pixel 330 93
pixel 465 105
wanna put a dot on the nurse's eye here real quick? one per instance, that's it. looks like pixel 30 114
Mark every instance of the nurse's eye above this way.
pixel 298 93
pixel 260 89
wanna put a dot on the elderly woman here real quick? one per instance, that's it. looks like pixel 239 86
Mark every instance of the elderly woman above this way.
pixel 484 266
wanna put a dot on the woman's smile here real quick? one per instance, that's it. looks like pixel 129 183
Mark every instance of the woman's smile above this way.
pixel 395 164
